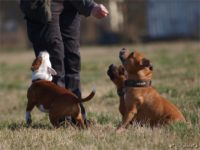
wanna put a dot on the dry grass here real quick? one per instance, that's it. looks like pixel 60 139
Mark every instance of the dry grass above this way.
pixel 176 76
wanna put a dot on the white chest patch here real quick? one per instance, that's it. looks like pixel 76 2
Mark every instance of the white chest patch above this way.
pixel 42 109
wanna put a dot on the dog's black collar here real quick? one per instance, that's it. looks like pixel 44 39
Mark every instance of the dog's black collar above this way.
pixel 120 92
pixel 137 83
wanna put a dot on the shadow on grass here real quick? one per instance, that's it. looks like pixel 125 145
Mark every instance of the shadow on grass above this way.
pixel 21 125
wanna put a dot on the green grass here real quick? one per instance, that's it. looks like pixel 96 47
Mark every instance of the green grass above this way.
pixel 176 76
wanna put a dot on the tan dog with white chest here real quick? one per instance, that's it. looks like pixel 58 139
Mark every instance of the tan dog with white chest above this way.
pixel 49 97
pixel 143 103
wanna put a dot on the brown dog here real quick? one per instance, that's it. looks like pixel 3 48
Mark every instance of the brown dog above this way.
pixel 49 97
pixel 143 103
pixel 117 75
pixel 58 101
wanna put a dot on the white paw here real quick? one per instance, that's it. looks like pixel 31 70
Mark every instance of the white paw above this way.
pixel 28 118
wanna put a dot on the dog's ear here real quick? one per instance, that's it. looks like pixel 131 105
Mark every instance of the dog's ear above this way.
pixel 146 63
pixel 36 64
pixel 51 71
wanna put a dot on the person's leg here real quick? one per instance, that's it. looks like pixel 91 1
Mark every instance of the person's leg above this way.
pixel 54 42
pixel 70 30
pixel 33 30
pixel 48 37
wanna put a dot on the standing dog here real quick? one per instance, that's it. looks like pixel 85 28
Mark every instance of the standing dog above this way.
pixel 142 102
pixel 49 97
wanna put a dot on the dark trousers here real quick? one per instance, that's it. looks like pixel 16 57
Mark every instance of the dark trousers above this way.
pixel 60 38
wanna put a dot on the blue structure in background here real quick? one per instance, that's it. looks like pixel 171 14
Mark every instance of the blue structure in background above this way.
pixel 173 18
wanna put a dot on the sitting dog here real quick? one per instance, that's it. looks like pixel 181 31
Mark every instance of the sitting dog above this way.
pixel 142 102
pixel 117 75
pixel 49 97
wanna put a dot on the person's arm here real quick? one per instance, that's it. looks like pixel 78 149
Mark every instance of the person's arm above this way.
pixel 84 7
pixel 89 7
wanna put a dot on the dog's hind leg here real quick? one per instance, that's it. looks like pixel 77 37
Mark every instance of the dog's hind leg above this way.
pixel 80 120
pixel 54 121
pixel 54 117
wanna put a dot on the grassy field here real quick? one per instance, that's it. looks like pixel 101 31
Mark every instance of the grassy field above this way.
pixel 176 76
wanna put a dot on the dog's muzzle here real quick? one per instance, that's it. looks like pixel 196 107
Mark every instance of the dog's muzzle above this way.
pixel 121 55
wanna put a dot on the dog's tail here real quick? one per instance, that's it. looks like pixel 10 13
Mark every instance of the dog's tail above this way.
pixel 89 97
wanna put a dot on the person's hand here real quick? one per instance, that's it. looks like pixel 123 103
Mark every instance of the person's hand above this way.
pixel 99 11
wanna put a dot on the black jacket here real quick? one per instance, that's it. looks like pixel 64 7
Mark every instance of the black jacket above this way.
pixel 84 7
pixel 43 9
